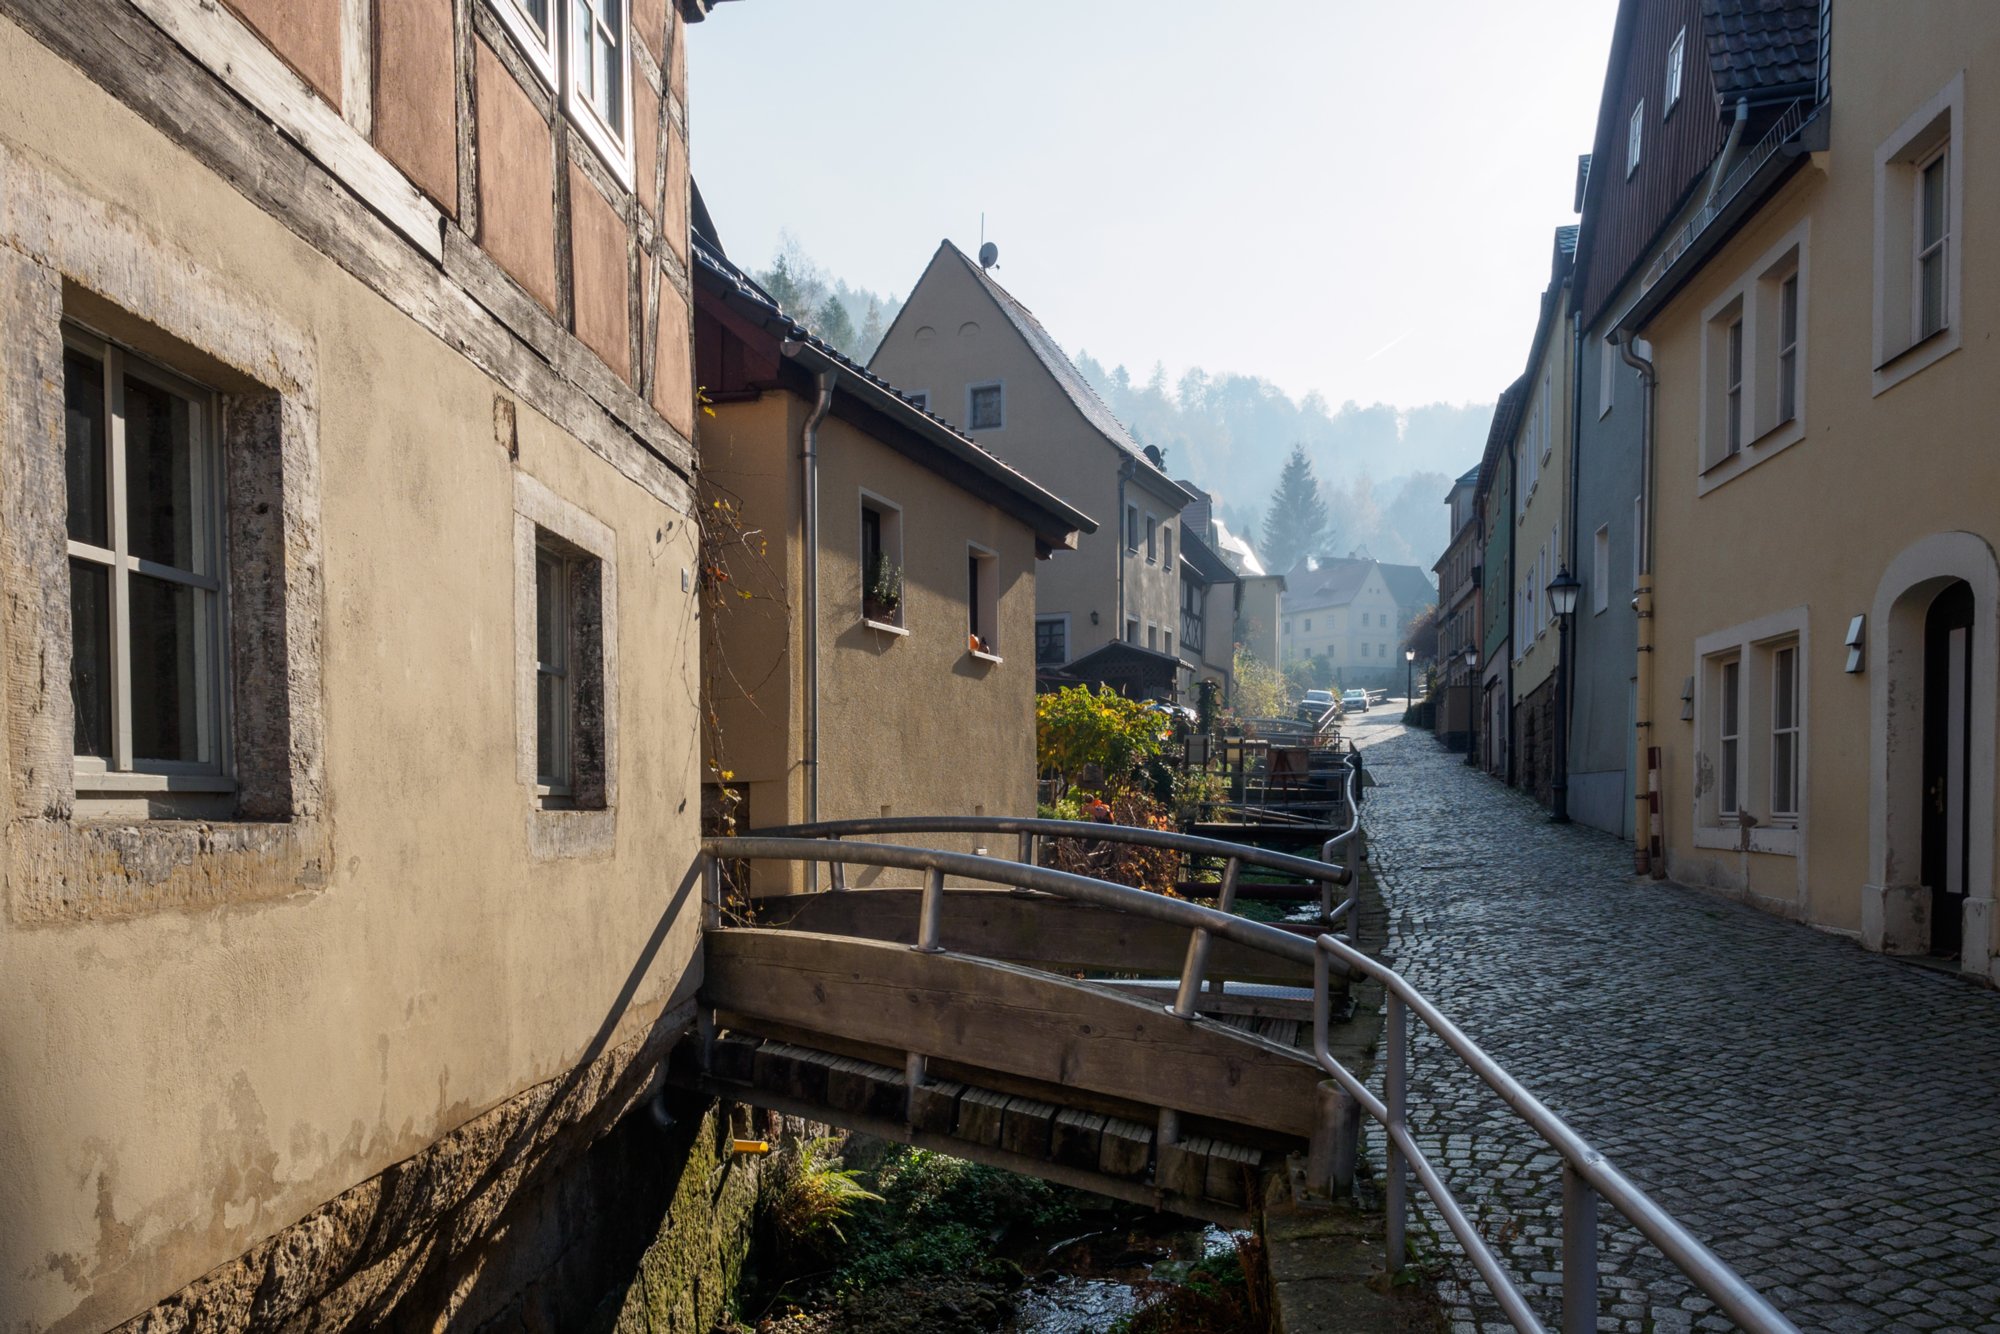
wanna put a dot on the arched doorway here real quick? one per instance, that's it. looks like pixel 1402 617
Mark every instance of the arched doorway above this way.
pixel 1947 833
pixel 1933 668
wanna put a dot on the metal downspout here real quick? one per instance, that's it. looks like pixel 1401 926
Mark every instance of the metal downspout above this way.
pixel 809 465
pixel 1642 607
pixel 1728 153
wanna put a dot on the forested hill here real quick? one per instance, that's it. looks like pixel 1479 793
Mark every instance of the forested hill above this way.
pixel 1383 471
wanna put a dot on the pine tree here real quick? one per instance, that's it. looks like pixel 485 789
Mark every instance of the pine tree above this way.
pixel 831 322
pixel 1297 523
pixel 871 329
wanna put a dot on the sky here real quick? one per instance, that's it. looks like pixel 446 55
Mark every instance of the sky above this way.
pixel 1353 197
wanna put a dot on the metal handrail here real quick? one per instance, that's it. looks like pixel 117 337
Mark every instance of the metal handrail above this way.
pixel 1587 1174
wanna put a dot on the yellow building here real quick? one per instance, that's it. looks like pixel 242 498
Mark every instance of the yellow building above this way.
pixel 877 656
pixel 1818 670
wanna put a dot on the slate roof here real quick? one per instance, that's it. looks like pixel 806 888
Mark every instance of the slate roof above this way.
pixel 1566 238
pixel 1410 586
pixel 1334 583
pixel 716 270
pixel 1060 367
pixel 1762 49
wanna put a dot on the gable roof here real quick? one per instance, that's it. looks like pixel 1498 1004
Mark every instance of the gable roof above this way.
pixel 938 445
pixel 1333 582
pixel 1410 586
pixel 1057 363
pixel 1762 49
pixel 1207 563
pixel 1501 433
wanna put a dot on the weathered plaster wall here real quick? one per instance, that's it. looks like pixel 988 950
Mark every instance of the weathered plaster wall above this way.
pixel 181 1083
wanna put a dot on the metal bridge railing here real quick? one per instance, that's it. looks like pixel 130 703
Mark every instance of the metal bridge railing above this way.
pixel 1587 1176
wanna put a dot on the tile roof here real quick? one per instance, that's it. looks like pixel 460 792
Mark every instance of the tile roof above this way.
pixel 1333 582
pixel 1410 586
pixel 1566 238
pixel 1060 367
pixel 1209 566
pixel 1761 48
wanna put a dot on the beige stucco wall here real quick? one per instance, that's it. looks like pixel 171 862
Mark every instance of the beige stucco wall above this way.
pixel 1257 617
pixel 1875 484
pixel 910 724
pixel 1339 633
pixel 180 1083
pixel 951 335
pixel 1544 516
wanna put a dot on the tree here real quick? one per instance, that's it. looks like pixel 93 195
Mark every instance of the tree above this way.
pixel 871 329
pixel 1423 634
pixel 1296 525
pixel 831 323
pixel 1261 692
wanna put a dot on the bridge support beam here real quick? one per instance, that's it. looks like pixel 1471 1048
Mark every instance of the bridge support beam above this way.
pixel 1336 1142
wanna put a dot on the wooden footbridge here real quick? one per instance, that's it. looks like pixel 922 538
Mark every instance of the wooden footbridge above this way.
pixel 1144 1047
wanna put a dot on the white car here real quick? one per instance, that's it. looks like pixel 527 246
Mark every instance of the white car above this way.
pixel 1354 700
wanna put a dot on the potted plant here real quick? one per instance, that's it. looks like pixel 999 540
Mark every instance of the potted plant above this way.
pixel 881 589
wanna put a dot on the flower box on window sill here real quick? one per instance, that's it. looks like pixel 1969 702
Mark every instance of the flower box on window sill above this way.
pixel 886 626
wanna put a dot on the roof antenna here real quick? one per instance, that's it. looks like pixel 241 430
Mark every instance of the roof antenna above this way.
pixel 989 254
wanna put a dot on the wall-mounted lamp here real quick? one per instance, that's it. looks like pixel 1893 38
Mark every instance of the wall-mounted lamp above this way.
pixel 1093 618
pixel 1856 640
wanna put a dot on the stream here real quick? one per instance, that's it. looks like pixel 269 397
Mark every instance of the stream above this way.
pixel 1082 1284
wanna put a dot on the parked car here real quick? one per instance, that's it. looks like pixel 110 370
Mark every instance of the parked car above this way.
pixel 1356 700
pixel 1315 704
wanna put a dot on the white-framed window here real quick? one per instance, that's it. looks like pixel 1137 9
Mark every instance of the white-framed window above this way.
pixel 1785 732
pixel 1131 629
pixel 1728 735
pixel 1919 239
pixel 982 600
pixel 985 407
pixel 1548 415
pixel 1750 726
pixel 921 400
pixel 1676 65
pixel 1152 540
pixel 1600 569
pixel 1167 543
pixel 884 605
pixel 1364 648
pixel 1309 624
pixel 582 50
pixel 1167 642
pixel 1635 138
pixel 1152 636
pixel 1607 377
pixel 1131 527
pixel 146 588
pixel 1755 358
pixel 1052 640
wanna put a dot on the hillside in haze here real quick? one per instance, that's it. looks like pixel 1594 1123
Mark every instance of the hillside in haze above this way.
pixel 1382 470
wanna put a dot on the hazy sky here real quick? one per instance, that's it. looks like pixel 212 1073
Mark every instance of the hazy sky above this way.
pixel 1349 196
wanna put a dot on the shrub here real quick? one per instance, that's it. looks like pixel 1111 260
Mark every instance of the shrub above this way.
pixel 1101 737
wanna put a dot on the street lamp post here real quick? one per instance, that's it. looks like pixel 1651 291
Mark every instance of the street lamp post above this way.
pixel 1409 676
pixel 1472 704
pixel 1562 601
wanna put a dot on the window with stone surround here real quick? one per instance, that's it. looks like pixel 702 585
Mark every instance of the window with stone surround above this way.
pixel 1750 735
pixel 566 624
pixel 1919 214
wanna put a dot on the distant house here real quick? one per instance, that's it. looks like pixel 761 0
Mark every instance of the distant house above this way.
pixel 882 659
pixel 1494 500
pixel 971 353
pixel 1257 594
pixel 1458 614
pixel 1350 613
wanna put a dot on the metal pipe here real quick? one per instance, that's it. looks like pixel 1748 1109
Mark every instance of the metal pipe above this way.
pixel 932 909
pixel 1197 952
pixel 1642 599
pixel 1579 1240
pixel 809 581
pixel 1396 1098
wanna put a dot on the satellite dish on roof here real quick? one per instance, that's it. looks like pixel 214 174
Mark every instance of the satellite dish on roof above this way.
pixel 989 255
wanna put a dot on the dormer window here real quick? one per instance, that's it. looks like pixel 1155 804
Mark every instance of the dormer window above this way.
pixel 1635 137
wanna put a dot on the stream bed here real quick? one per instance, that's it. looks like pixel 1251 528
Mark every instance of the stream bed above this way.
pixel 1084 1284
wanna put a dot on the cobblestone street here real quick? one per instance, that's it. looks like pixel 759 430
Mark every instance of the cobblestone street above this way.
pixel 1827 1119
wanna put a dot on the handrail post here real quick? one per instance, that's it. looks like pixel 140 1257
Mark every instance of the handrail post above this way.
pixel 1197 951
pixel 932 910
pixel 1027 847
pixel 1579 1240
pixel 836 870
pixel 1396 1097
pixel 711 893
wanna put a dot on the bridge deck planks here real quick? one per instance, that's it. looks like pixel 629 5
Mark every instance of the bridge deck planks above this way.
pixel 1008 1018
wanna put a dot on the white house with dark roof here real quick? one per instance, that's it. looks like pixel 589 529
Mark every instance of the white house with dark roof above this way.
pixel 1350 613
pixel 971 353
